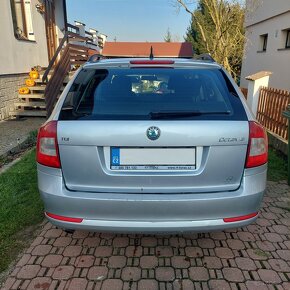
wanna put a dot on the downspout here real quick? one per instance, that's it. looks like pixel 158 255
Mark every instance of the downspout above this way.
pixel 65 14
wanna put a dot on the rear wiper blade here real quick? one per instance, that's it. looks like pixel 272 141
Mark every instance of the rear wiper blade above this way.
pixel 181 114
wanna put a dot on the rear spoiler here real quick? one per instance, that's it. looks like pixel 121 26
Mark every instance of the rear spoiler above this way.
pixel 205 56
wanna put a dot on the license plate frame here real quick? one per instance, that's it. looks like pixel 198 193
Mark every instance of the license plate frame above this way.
pixel 181 162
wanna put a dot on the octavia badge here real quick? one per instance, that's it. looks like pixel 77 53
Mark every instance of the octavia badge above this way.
pixel 153 133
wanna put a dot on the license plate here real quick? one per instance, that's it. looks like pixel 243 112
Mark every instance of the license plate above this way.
pixel 153 158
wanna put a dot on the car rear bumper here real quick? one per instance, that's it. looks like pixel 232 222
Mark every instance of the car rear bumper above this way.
pixel 119 212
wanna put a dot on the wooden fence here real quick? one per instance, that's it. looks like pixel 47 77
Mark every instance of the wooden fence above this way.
pixel 272 102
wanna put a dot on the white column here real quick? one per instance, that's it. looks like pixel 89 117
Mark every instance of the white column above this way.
pixel 95 36
pixel 256 81
pixel 82 28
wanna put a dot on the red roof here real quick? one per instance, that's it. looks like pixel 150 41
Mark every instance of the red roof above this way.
pixel 142 49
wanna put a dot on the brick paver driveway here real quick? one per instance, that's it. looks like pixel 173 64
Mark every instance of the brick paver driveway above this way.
pixel 255 257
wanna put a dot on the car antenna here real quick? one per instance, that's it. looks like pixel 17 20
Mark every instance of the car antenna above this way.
pixel 151 53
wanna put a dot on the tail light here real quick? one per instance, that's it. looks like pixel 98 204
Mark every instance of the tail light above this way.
pixel 257 154
pixel 151 62
pixel 47 148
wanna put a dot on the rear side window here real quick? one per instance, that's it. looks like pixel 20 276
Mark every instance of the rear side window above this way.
pixel 142 93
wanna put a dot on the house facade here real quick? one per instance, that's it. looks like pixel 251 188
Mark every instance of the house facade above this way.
pixel 30 34
pixel 268 42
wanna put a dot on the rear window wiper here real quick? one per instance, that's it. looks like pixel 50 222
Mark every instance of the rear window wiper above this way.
pixel 181 114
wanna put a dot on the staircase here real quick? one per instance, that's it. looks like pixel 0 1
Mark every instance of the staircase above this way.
pixel 33 104
pixel 73 51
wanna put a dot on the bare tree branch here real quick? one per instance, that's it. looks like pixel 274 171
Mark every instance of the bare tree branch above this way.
pixel 224 38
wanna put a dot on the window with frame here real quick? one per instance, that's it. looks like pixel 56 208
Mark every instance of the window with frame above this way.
pixel 264 42
pixel 22 19
pixel 287 44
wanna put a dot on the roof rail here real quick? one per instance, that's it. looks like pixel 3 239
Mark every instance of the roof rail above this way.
pixel 95 57
pixel 205 56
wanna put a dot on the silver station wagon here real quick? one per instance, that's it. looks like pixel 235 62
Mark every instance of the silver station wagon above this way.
pixel 151 145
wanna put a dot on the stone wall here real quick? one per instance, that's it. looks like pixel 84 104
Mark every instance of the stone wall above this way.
pixel 9 85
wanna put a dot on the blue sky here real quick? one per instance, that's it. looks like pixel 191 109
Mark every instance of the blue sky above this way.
pixel 130 20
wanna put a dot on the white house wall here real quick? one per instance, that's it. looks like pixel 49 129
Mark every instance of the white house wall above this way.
pixel 259 10
pixel 275 59
pixel 18 56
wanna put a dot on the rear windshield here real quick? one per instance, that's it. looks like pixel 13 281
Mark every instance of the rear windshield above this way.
pixel 150 93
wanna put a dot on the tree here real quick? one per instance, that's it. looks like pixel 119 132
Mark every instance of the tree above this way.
pixel 217 28
pixel 168 36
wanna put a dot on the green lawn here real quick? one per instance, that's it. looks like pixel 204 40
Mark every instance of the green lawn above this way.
pixel 277 168
pixel 20 207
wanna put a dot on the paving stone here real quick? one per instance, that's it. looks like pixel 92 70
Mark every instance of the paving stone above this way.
pixel 131 274
pixel 180 262
pixel 9 283
pixel 121 242
pixel 111 284
pixel 193 252
pixel 206 243
pixel 279 265
pixel 183 284
pixel 97 273
pixel 219 285
pixel 53 233
pixel 256 285
pixel 84 261
pixel 41 250
pixel 245 264
pixel 63 272
pixel 269 276
pixel 77 284
pixel 51 261
pixel 103 251
pixel 80 234
pixel 233 275
pixel 225 253
pixel 273 237
pixel 164 251
pixel 72 251
pixel 42 283
pixel 257 254
pixel 28 272
pixel 265 246
pixel 281 229
pixel 149 241
pixel 62 241
pixel 246 236
pixel 235 244
pixel 134 251
pixel 198 274
pixel 165 274
pixel 177 242
pixel 24 260
pixel 218 236
pixel 212 262
pixel 91 242
pixel 286 285
pixel 148 262
pixel 263 222
pixel 284 254
pixel 147 284
pixel 117 261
